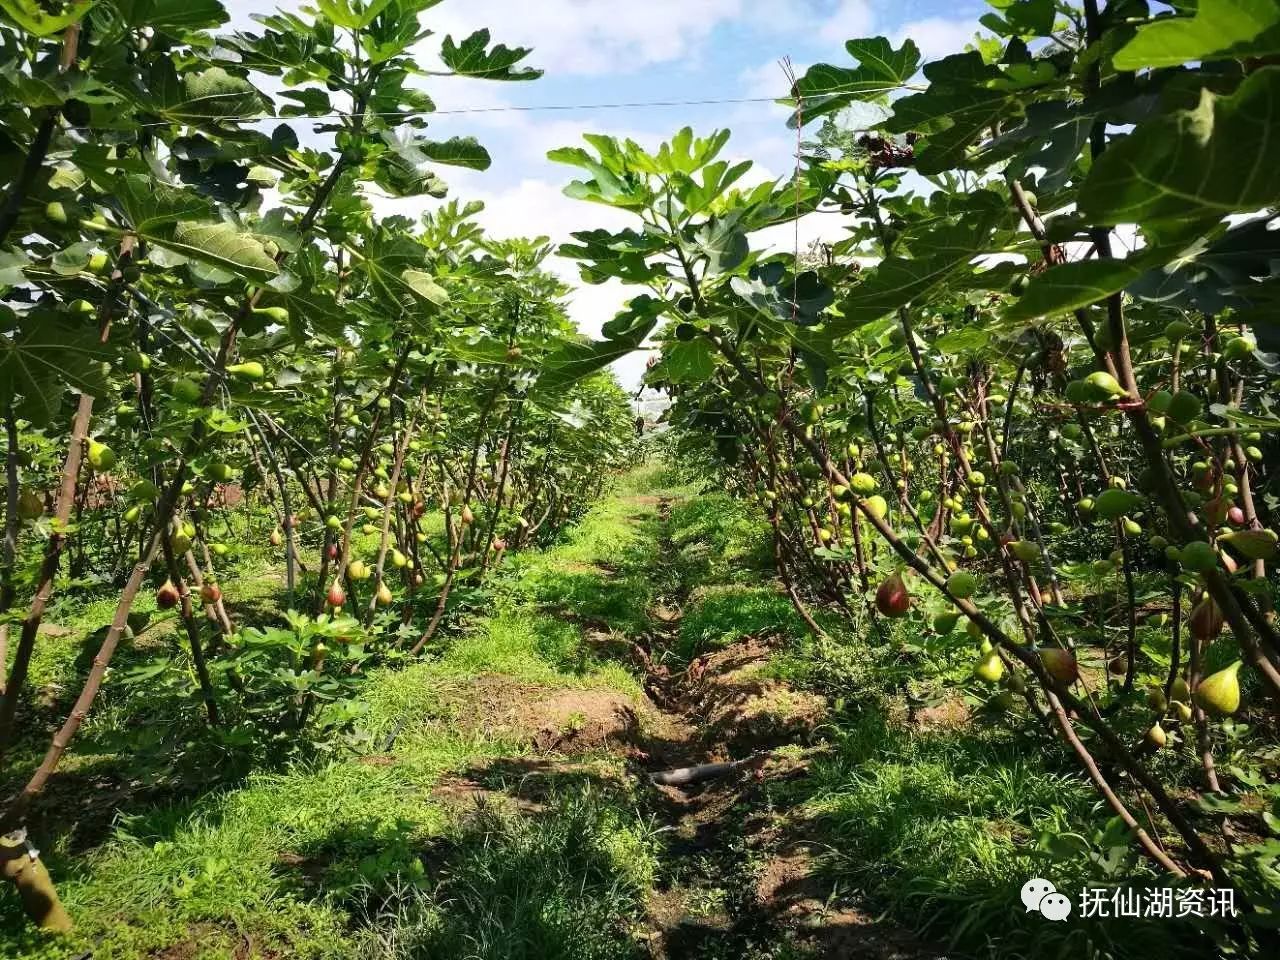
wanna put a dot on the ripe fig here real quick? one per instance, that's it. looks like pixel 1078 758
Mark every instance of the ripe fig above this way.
pixel 1219 693
pixel 167 595
pixel 467 516
pixel 210 592
pixel 1117 666
pixel 1060 664
pixel 1206 620
pixel 1156 736
pixel 892 598
pixel 336 597
pixel 276 538
pixel 383 595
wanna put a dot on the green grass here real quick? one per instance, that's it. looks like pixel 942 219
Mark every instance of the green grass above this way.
pixel 340 856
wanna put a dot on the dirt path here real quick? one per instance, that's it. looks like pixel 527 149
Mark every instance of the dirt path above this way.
pixel 739 877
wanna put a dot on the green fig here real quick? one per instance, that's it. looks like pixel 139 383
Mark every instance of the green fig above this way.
pixel 1219 693
pixel 101 457
pixel 962 584
pixel 944 623
pixel 1102 386
pixel 250 370
pixel 990 668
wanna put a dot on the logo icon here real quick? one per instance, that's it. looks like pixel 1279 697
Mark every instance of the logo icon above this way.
pixel 1043 897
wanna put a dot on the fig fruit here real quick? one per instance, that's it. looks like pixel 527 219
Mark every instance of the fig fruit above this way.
pixel 990 668
pixel 1156 736
pixel 383 595
pixel 1060 664
pixel 1206 620
pixel 962 584
pixel 336 597
pixel 210 592
pixel 101 457
pixel 167 595
pixel 357 570
pixel 892 598
pixel 1219 692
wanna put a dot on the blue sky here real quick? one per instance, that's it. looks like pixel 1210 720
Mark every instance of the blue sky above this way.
pixel 609 51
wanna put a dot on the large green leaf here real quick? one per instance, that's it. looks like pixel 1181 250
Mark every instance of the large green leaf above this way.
pixel 942 252
pixel 222 245
pixel 47 353
pixel 574 360
pixel 1080 283
pixel 472 58
pixel 31 16
pixel 881 70
pixel 692 361
pixel 1221 157
pixel 1218 29
pixel 171 15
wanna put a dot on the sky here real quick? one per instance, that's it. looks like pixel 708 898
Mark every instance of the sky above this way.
pixel 598 52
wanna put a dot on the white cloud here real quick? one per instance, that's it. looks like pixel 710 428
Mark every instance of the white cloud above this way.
pixel 592 36
pixel 851 18
pixel 937 37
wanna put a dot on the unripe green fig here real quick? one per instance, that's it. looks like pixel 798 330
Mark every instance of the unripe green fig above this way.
pixel 357 570
pixel 1184 407
pixel 219 472
pixel 56 212
pixel 1102 386
pixel 1178 330
pixel 1028 551
pixel 398 559
pixel 185 390
pixel 136 362
pixel 1132 527
pixel 249 370
pixel 1182 711
pixel 944 623
pixel 101 457
pixel 989 668
pixel 977 478
pixel 1219 693
pixel 1239 348
pixel 1198 557
pixel 132 514
pixel 963 585
pixel 30 505
pixel 383 595
pixel 274 314
pixel 333 523
pixel 1113 503
pixel 877 506
pixel 1156 699
pixel 1180 690
pixel 863 484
